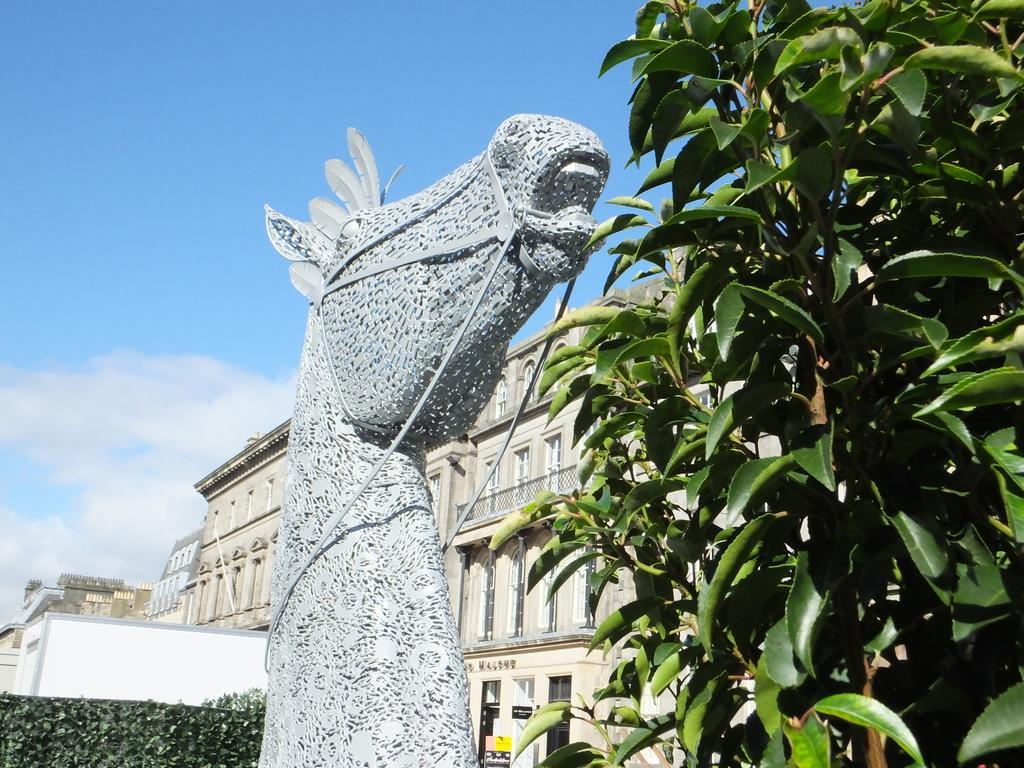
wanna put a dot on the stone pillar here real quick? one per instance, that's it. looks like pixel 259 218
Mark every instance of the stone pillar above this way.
pixel 268 568
pixel 259 575
pixel 245 601
pixel 201 590
pixel 215 601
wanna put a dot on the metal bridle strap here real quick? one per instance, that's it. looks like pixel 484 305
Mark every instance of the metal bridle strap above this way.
pixel 501 231
pixel 329 537
pixel 512 427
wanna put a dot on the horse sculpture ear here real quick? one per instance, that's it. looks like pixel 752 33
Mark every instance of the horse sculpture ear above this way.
pixel 305 247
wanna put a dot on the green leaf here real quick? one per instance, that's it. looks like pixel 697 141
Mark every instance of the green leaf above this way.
pixel 639 738
pixel 1001 9
pixel 693 722
pixel 928 264
pixel 785 309
pixel 729 564
pixel 668 117
pixel 632 202
pixel 753 481
pixel 666 673
pixel 871 713
pixel 649 490
pixel 511 524
pixel 999 727
pixel 619 622
pixel 926 546
pixel 616 224
pixel 910 87
pixel 724 132
pixel 805 607
pixel 816 459
pixel 760 173
pixel 1001 385
pixel 845 263
pixel 685 57
pixel 694 291
pixel 542 721
pixel 980 597
pixel 827 96
pixel 575 755
pixel 738 407
pixel 809 742
pixel 628 49
pixel 714 212
pixel 766 697
pixel 705 28
pixel 728 311
pixel 554 373
pixel 1014 504
pixel 961 59
pixel 583 316
pixel 826 44
pixel 1001 338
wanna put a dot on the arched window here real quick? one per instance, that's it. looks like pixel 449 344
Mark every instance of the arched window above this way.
pixel 548 614
pixel 500 398
pixel 528 370
pixel 581 613
pixel 516 588
pixel 487 598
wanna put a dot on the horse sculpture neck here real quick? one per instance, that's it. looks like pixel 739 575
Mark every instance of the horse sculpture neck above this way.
pixel 378 600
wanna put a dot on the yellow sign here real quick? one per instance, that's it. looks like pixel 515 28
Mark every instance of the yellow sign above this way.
pixel 502 743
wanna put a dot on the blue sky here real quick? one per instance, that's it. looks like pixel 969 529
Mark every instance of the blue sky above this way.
pixel 146 325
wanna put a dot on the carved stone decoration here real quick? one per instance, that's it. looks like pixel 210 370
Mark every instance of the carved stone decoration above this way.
pixel 413 306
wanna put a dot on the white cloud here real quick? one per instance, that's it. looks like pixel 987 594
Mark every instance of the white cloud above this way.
pixel 128 434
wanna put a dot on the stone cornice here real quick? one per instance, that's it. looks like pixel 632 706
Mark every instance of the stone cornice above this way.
pixel 250 458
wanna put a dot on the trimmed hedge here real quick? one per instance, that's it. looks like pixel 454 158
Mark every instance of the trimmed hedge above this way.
pixel 39 732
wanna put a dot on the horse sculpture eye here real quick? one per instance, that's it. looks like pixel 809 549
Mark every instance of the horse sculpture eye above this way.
pixel 351 228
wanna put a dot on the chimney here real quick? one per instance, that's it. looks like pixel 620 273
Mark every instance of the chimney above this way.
pixel 31 587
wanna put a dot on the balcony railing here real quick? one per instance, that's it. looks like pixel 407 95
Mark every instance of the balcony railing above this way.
pixel 517 496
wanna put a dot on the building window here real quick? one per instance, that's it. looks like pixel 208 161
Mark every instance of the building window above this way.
pixel 548 605
pixel 500 398
pixel 522 466
pixel 487 598
pixel 516 589
pixel 490 708
pixel 216 522
pixel 248 506
pixel 528 370
pixel 559 689
pixel 493 478
pixel 270 494
pixel 524 703
pixel 231 516
pixel 435 493
pixel 554 451
pixel 581 613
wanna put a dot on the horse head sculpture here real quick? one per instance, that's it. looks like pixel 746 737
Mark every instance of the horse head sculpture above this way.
pixel 413 306
pixel 393 282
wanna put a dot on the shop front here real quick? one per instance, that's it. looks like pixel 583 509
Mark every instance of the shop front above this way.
pixel 508 681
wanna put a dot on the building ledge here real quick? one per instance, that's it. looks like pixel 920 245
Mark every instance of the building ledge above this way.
pixel 566 637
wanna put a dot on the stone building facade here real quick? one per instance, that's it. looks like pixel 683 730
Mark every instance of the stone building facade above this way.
pixel 170 597
pixel 239 535
pixel 521 650
pixel 74 594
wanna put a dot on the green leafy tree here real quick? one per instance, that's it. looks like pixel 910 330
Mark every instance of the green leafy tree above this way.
pixel 807 455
